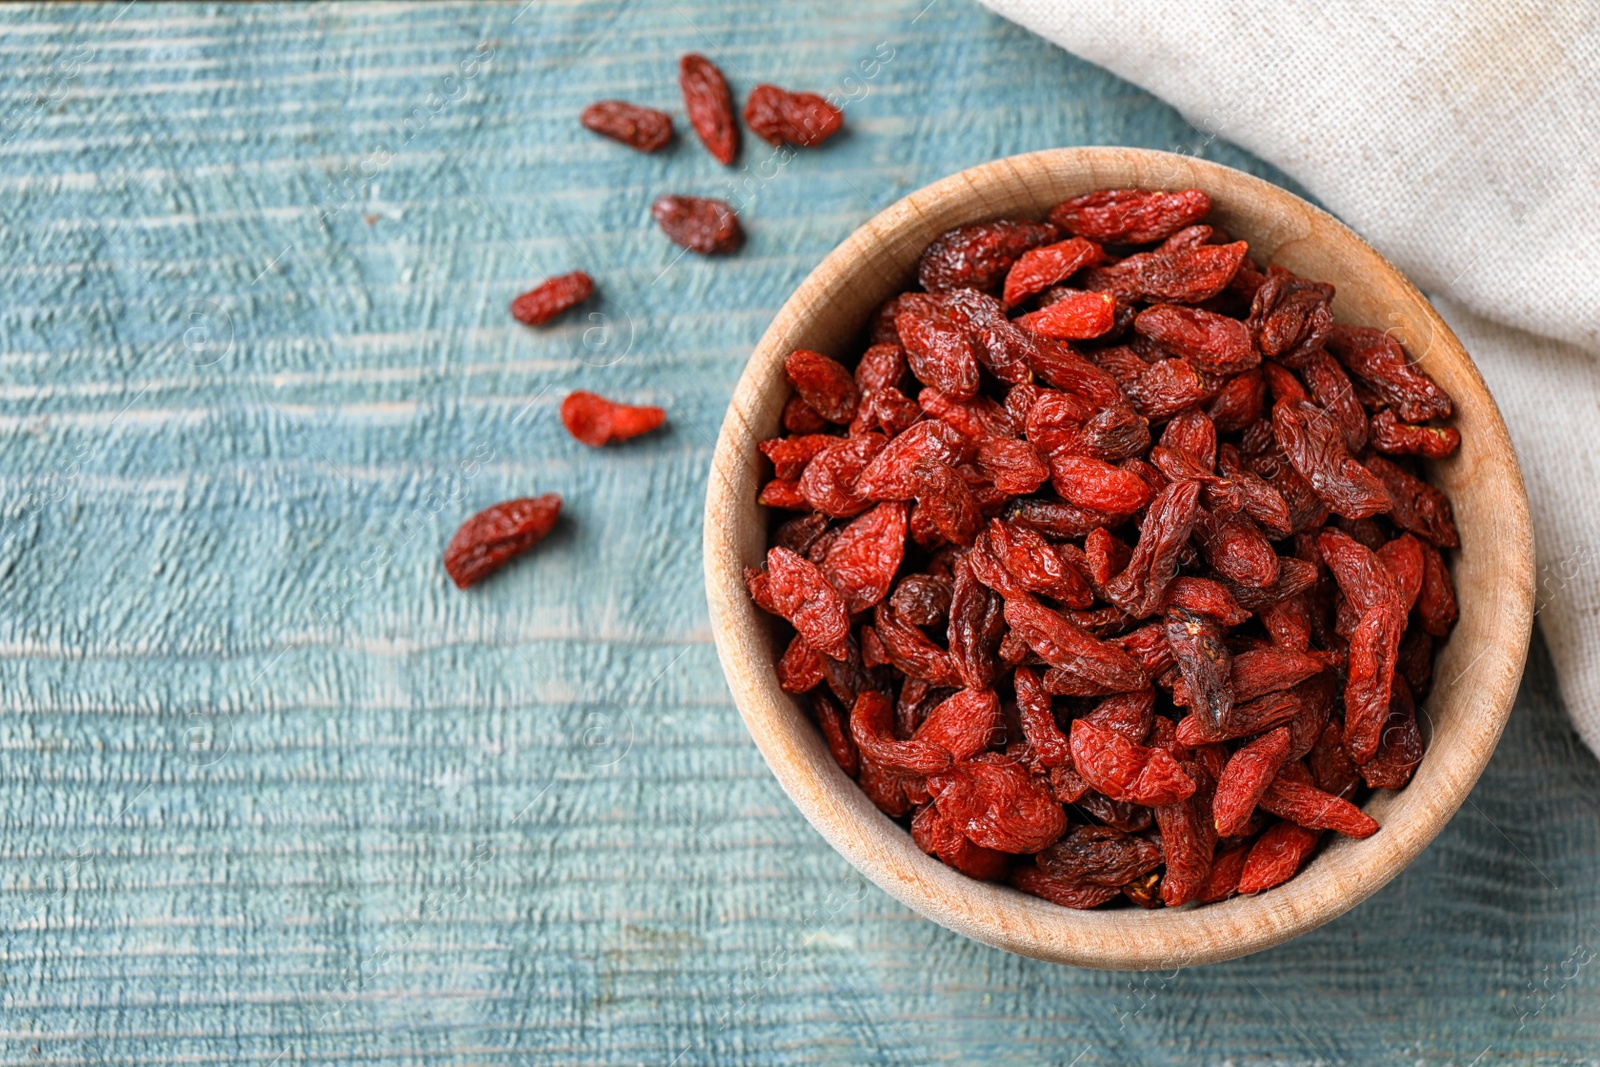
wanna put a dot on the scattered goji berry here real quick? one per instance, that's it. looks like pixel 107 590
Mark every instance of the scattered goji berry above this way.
pixel 698 223
pixel 596 421
pixel 641 128
pixel 710 106
pixel 488 540
pixel 551 297
pixel 778 116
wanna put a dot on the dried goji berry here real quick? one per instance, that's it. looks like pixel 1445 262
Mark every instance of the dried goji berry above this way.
pixel 975 627
pixel 1289 316
pixel 1100 855
pixel 1436 600
pixel 1213 342
pixel 710 106
pixel 1222 881
pixel 1123 770
pixel 1276 855
pixel 1076 317
pixel 488 540
pixel 978 256
pixel 1065 892
pixel 596 421
pixel 1204 660
pixel 1238 403
pixel 1097 485
pixel 794 588
pixel 1002 347
pixel 829 483
pixel 1377 359
pixel 778 116
pixel 1391 435
pixel 1039 268
pixel 1069 648
pixel 934 834
pixel 995 803
pixel 551 297
pixel 827 387
pixel 830 720
pixel 1313 443
pixel 1374 649
pixel 1249 772
pixel 1308 806
pixel 1416 506
pixel 1180 276
pixel 922 599
pixel 1142 586
pixel 700 224
pixel 940 353
pixel 798 417
pixel 1131 216
pixel 800 669
pixel 1401 745
pixel 641 128
pixel 1188 837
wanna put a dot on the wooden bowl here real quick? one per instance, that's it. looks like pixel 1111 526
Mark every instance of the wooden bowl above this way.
pixel 1476 672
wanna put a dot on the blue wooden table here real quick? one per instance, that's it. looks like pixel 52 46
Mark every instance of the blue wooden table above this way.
pixel 272 791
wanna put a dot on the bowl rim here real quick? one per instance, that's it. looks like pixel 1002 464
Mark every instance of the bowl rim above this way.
pixel 1346 872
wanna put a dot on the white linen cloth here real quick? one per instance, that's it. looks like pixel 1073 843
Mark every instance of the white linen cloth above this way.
pixel 1463 142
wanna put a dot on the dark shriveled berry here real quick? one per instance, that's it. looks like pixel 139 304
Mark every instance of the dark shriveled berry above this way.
pixel 640 128
pixel 698 223
pixel 710 105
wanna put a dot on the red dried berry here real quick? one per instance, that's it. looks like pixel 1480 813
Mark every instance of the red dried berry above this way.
pixel 698 223
pixel 1276 856
pixel 1377 359
pixel 1131 216
pixel 1212 342
pixel 1123 770
pixel 978 256
pixel 795 589
pixel 1180 276
pixel 862 561
pixel 488 540
pixel 1039 268
pixel 1308 806
pixel 778 116
pixel 940 353
pixel 825 385
pixel 1070 649
pixel 710 107
pixel 1313 444
pixel 998 805
pixel 641 128
pixel 1246 777
pixel 935 835
pixel 1391 435
pixel 596 421
pixel 551 297
pixel 1075 317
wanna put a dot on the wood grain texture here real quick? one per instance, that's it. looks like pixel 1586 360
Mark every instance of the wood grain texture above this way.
pixel 262 800
pixel 1479 666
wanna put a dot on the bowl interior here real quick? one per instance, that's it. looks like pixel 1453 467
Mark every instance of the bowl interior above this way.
pixel 1476 671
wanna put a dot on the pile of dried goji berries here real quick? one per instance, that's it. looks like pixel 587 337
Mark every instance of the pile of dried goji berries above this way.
pixel 1115 574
